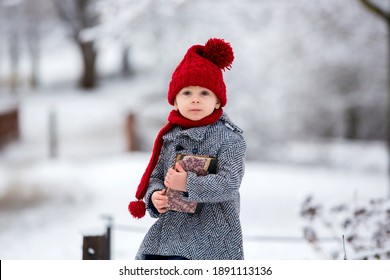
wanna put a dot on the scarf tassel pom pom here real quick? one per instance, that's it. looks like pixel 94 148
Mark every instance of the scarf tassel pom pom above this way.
pixel 137 208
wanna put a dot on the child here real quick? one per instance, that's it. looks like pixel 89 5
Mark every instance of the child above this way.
pixel 197 126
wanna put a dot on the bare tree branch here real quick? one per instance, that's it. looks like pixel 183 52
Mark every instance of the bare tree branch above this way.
pixel 376 10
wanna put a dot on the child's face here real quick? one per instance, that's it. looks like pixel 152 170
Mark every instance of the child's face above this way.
pixel 195 102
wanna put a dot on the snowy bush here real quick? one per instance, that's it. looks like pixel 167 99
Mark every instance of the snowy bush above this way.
pixel 363 228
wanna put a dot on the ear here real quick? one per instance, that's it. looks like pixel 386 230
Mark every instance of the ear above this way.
pixel 218 105
pixel 175 105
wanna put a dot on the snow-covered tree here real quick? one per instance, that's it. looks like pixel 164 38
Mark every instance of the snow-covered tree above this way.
pixel 80 15
pixel 24 26
pixel 13 30
pixel 132 22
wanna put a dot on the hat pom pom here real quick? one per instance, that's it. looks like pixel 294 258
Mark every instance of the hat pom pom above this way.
pixel 219 52
pixel 137 209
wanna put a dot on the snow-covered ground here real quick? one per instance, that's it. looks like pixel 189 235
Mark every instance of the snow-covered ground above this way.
pixel 47 205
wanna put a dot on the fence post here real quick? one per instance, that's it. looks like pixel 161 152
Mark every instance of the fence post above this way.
pixel 98 247
pixel 95 248
pixel 15 124
pixel 131 134
pixel 53 134
pixel 9 126
pixel 108 234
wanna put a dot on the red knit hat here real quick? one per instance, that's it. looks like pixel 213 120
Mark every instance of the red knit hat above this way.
pixel 201 66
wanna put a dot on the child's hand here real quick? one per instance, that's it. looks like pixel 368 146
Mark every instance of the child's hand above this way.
pixel 176 180
pixel 160 201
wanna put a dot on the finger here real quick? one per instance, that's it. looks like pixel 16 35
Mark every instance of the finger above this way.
pixel 161 193
pixel 179 168
pixel 162 206
pixel 163 199
pixel 163 210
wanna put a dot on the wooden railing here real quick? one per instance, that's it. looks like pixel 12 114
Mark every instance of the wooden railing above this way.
pixel 9 126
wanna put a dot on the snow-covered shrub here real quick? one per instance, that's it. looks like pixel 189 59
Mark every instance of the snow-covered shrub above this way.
pixel 362 228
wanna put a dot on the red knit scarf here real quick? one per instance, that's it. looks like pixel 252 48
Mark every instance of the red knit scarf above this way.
pixel 137 208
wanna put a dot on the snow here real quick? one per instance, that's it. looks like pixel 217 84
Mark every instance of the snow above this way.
pixel 47 205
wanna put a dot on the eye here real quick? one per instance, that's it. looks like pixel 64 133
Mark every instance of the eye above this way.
pixel 186 93
pixel 204 93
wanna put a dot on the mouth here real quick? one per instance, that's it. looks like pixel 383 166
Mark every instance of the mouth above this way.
pixel 195 110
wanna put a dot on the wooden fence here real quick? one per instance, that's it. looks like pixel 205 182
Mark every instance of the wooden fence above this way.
pixel 9 126
pixel 98 247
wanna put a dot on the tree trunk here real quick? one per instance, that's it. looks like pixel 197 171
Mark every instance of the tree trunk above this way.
pixel 378 11
pixel 352 122
pixel 14 59
pixel 388 102
pixel 80 15
pixel 88 79
pixel 127 70
pixel 34 55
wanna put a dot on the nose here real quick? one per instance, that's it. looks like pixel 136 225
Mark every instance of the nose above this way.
pixel 195 100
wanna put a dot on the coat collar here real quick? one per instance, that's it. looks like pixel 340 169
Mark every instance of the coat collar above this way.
pixel 195 133
pixel 226 120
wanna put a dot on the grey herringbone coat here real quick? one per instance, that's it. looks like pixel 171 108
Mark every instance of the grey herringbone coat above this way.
pixel 215 232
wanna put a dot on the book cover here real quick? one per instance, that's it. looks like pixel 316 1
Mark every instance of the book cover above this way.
pixel 201 166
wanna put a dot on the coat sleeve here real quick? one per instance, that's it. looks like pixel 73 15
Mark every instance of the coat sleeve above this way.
pixel 224 185
pixel 156 183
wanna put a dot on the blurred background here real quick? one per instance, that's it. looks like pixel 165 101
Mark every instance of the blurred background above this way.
pixel 83 87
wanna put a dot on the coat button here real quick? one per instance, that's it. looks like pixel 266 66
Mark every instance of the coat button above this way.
pixel 195 150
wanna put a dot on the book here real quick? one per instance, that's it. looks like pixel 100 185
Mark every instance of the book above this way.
pixel 201 166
